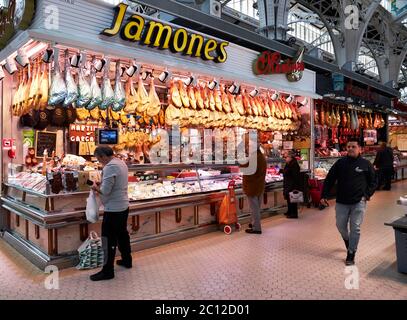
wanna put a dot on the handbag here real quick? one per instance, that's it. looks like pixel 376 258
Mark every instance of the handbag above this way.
pixel 92 207
pixel 296 196
pixel 91 252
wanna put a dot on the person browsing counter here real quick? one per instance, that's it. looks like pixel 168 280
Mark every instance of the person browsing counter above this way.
pixel 356 185
pixel 113 191
pixel 254 182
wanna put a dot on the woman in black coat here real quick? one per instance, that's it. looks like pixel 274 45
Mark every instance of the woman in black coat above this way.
pixel 291 182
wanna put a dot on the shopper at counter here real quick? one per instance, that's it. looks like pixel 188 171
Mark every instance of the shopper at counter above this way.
pixel 356 181
pixel 384 165
pixel 114 194
pixel 254 184
pixel 292 182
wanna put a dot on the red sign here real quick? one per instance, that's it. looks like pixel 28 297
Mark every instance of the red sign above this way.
pixel 361 93
pixel 8 144
pixel 269 62
pixel 82 132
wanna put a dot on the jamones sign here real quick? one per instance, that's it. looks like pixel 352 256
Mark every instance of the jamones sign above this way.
pixel 157 34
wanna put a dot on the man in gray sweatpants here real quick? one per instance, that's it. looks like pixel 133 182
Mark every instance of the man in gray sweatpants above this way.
pixel 356 184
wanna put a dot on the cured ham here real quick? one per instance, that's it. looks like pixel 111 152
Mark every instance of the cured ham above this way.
pixel 144 97
pixel 239 105
pixel 192 98
pixel 343 120
pixel 232 102
pixel 71 87
pixel 267 109
pixel 58 91
pixel 96 92
pixel 205 97
pixel 184 95
pixel 246 104
pixel 154 107
pixel 175 95
pixel 225 102
pixel 338 117
pixel 32 97
pixel 212 104
pixel 119 94
pixel 84 90
pixel 107 90
pixel 218 100
pixel 198 97
pixel 133 98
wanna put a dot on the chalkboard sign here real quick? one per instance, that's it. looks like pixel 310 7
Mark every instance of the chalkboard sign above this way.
pixel 45 140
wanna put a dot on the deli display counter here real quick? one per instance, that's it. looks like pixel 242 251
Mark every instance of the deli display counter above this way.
pixel 48 228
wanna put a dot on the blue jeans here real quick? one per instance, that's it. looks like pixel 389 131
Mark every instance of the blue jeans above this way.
pixel 351 214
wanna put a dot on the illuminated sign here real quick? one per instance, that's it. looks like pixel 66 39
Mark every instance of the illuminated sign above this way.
pixel 159 35
pixel 269 62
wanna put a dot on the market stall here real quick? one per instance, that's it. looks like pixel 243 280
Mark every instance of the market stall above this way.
pixel 348 110
pixel 173 103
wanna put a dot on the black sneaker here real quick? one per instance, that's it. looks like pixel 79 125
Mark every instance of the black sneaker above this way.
pixel 253 231
pixel 102 276
pixel 350 259
pixel 292 217
pixel 125 264
pixel 346 243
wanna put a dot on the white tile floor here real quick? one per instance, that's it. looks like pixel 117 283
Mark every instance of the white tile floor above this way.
pixel 292 259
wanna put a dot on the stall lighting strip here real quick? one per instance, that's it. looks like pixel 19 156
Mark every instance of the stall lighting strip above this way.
pixel 36 48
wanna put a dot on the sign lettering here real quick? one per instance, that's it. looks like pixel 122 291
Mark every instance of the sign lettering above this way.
pixel 159 35
pixel 269 62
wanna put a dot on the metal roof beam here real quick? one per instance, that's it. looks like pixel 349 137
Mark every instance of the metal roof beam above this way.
pixel 231 32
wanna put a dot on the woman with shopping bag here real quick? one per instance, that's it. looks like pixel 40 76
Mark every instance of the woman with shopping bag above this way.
pixel 292 184
pixel 113 191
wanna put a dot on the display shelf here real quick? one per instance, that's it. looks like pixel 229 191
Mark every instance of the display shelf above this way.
pixel 43 195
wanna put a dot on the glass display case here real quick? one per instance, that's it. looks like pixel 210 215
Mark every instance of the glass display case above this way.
pixel 168 202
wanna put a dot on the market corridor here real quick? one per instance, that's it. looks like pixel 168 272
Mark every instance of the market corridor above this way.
pixel 292 259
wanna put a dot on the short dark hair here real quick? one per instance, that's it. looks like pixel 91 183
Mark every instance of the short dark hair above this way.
pixel 355 140
pixel 104 151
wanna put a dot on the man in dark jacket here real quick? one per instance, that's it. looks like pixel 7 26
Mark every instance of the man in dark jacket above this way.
pixel 356 184
pixel 384 164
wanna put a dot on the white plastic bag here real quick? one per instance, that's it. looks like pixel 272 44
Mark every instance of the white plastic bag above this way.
pixel 296 196
pixel 92 207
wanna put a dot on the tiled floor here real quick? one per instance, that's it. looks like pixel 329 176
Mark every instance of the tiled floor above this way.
pixel 292 259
